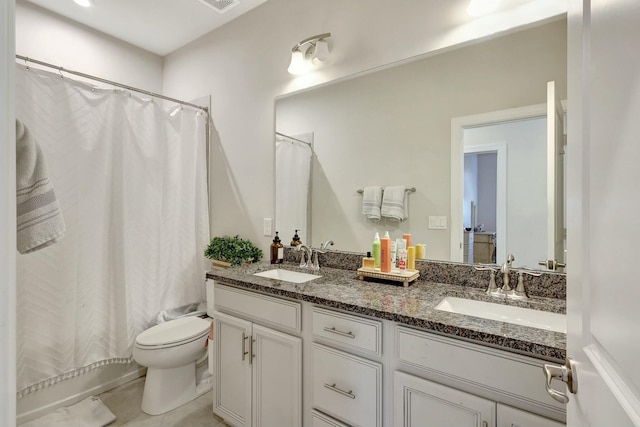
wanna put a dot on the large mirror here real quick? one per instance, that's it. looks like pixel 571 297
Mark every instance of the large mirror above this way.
pixel 394 127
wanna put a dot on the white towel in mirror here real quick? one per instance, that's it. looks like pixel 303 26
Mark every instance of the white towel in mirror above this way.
pixel 394 203
pixel 371 200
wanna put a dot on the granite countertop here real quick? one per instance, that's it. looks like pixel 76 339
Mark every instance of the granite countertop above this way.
pixel 412 306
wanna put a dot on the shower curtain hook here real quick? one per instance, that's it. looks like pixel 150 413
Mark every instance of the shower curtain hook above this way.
pixel 26 62
pixel 60 70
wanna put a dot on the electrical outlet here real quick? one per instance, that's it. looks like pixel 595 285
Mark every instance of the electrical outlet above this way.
pixel 267 226
pixel 437 222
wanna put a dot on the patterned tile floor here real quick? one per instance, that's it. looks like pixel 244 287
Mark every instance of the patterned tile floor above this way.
pixel 124 401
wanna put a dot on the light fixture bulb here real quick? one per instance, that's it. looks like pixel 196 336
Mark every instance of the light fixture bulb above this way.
pixel 482 7
pixel 297 65
pixel 83 3
pixel 321 52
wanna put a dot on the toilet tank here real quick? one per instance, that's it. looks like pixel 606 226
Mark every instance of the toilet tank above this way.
pixel 210 297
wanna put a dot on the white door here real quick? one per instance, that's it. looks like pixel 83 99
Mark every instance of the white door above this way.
pixel 422 403
pixel 555 176
pixel 277 378
pixel 603 205
pixel 232 387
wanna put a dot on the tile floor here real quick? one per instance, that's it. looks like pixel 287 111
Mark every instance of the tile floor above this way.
pixel 124 401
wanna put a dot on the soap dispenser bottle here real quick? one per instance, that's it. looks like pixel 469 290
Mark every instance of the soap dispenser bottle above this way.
pixel 277 250
pixel 296 239
pixel 375 250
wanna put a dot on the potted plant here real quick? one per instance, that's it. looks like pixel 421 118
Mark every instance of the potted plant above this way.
pixel 231 251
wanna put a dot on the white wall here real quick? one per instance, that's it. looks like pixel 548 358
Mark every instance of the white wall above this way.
pixel 48 37
pixel 243 66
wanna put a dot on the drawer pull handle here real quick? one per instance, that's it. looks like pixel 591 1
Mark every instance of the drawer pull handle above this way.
pixel 335 331
pixel 333 387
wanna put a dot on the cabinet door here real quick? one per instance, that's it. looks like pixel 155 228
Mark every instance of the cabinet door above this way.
pixel 232 388
pixel 277 378
pixel 512 417
pixel 422 403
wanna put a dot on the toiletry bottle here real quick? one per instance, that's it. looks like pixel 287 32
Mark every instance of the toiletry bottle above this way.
pixel 411 258
pixel 296 239
pixel 385 254
pixel 394 253
pixel 368 261
pixel 277 250
pixel 402 260
pixel 375 250
pixel 407 237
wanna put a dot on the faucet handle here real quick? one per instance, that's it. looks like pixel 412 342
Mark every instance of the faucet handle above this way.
pixel 520 292
pixel 493 288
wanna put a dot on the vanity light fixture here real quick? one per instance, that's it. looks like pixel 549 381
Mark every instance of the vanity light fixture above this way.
pixel 312 50
pixel 84 3
pixel 482 7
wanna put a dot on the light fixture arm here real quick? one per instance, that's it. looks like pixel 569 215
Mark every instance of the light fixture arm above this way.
pixel 310 40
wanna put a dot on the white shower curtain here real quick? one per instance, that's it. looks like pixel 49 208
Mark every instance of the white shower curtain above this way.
pixel 293 172
pixel 131 182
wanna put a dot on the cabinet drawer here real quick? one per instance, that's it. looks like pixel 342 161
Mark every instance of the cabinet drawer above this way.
pixel 354 332
pixel 322 420
pixel 347 387
pixel 267 310
pixel 476 367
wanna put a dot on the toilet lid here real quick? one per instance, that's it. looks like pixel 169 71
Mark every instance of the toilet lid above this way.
pixel 174 331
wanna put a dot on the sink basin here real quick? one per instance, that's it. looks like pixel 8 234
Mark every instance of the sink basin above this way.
pixel 505 313
pixel 287 275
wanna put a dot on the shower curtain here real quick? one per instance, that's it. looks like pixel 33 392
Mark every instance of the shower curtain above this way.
pixel 131 182
pixel 293 174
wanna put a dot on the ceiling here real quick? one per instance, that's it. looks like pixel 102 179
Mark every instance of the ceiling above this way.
pixel 159 26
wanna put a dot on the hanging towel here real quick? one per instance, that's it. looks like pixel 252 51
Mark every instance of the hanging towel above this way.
pixel 394 203
pixel 90 412
pixel 371 199
pixel 39 219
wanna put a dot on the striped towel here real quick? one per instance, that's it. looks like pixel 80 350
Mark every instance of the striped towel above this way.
pixel 371 199
pixel 39 219
pixel 394 203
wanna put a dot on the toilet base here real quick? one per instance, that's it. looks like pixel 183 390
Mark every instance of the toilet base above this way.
pixel 166 389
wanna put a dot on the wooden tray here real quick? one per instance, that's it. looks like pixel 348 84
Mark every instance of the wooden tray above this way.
pixel 405 277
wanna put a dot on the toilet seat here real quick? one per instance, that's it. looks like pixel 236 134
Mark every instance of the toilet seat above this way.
pixel 174 332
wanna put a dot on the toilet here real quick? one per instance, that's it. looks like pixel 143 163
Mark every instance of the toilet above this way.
pixel 175 355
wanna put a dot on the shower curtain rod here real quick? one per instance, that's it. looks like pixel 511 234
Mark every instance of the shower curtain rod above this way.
pixel 110 82
pixel 292 138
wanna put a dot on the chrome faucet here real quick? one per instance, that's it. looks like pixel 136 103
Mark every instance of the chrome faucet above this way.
pixel 505 270
pixel 305 258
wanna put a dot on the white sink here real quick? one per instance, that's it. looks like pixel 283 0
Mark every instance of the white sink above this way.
pixel 505 313
pixel 287 275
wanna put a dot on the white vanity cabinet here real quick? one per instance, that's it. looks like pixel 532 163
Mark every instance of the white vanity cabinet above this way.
pixel 422 403
pixel 258 369
pixel 512 417
pixel 454 382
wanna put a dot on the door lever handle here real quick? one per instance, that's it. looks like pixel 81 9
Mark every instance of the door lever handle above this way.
pixel 566 374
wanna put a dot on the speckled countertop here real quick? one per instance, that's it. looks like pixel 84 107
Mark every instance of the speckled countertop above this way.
pixel 413 306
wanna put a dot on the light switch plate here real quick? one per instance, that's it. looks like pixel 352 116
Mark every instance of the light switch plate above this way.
pixel 437 222
pixel 267 227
